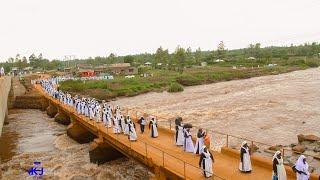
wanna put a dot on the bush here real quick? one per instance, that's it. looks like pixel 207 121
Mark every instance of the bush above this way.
pixel 312 64
pixel 175 87
pixel 188 80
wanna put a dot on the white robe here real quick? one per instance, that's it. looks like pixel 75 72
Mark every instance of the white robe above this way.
pixel 206 164
pixel 116 127
pixel 199 144
pixel 246 161
pixel 132 132
pixel 154 129
pixel 302 167
pixel 180 138
pixel 281 170
pixel 91 112
pixel 86 110
pixel 188 143
pixel 123 124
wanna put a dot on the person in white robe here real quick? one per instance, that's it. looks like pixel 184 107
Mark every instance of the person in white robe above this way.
pixel 180 135
pixel 116 127
pixel 301 168
pixel 279 172
pixel 126 126
pixel 245 161
pixel 153 128
pixel 98 114
pixel 206 161
pixel 86 109
pixel 123 123
pixel 132 131
pixel 78 106
pixel 188 143
pixel 83 107
pixel 104 116
pixel 200 141
pixel 91 111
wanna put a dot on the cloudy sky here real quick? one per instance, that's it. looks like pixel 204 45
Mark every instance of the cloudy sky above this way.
pixel 98 27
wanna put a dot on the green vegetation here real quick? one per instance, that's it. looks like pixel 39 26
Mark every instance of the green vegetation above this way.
pixel 172 71
pixel 173 81
pixel 175 87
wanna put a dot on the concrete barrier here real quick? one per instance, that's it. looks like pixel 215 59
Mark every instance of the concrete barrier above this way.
pixel 5 85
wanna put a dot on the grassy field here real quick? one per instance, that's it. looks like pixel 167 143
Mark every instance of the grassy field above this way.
pixel 172 81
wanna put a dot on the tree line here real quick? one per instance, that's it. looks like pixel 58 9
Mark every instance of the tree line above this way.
pixel 176 60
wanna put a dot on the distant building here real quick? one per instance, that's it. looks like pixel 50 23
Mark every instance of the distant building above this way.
pixel 15 71
pixel 219 60
pixel 27 70
pixel 86 73
pixel 204 64
pixel 84 66
pixel 148 64
pixel 100 69
pixel 122 69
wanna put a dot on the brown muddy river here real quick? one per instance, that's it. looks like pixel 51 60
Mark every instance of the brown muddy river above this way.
pixel 32 136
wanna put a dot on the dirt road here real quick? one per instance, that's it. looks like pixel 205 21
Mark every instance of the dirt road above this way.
pixel 270 109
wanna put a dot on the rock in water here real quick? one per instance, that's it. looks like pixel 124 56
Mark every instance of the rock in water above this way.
pixel 298 148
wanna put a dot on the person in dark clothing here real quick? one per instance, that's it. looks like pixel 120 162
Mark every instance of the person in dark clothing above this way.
pixel 142 123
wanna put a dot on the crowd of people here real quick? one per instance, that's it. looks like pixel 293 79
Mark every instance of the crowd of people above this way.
pixel 113 118
pixel 101 113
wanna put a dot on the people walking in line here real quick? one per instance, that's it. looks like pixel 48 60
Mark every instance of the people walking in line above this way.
pixel 302 168
pixel 245 161
pixel 279 172
pixel 200 141
pixel 206 161
pixel 142 123
pixel 153 126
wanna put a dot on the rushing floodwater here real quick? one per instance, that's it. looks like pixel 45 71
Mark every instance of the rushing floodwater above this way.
pixel 32 136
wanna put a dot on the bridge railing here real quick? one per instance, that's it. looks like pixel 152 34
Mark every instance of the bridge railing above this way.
pixel 218 139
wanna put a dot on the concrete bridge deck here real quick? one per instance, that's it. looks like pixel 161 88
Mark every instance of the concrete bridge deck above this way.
pixel 161 154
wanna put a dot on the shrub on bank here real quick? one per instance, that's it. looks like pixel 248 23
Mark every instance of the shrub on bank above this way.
pixel 188 80
pixel 175 87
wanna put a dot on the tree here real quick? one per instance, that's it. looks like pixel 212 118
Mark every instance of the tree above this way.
pixel 112 58
pixel 257 50
pixel 180 58
pixel 161 56
pixel 128 59
pixel 221 52
pixel 198 56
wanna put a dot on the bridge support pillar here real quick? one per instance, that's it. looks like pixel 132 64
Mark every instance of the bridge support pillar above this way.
pixel 44 104
pixel 80 134
pixel 101 152
pixel 62 118
pixel 52 110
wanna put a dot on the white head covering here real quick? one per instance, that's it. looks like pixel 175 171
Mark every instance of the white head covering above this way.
pixel 243 143
pixel 300 165
pixel 275 156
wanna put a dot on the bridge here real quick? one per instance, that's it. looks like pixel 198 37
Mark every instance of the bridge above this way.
pixel 160 155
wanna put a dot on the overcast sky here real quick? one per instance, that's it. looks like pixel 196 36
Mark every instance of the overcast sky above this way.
pixel 98 27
